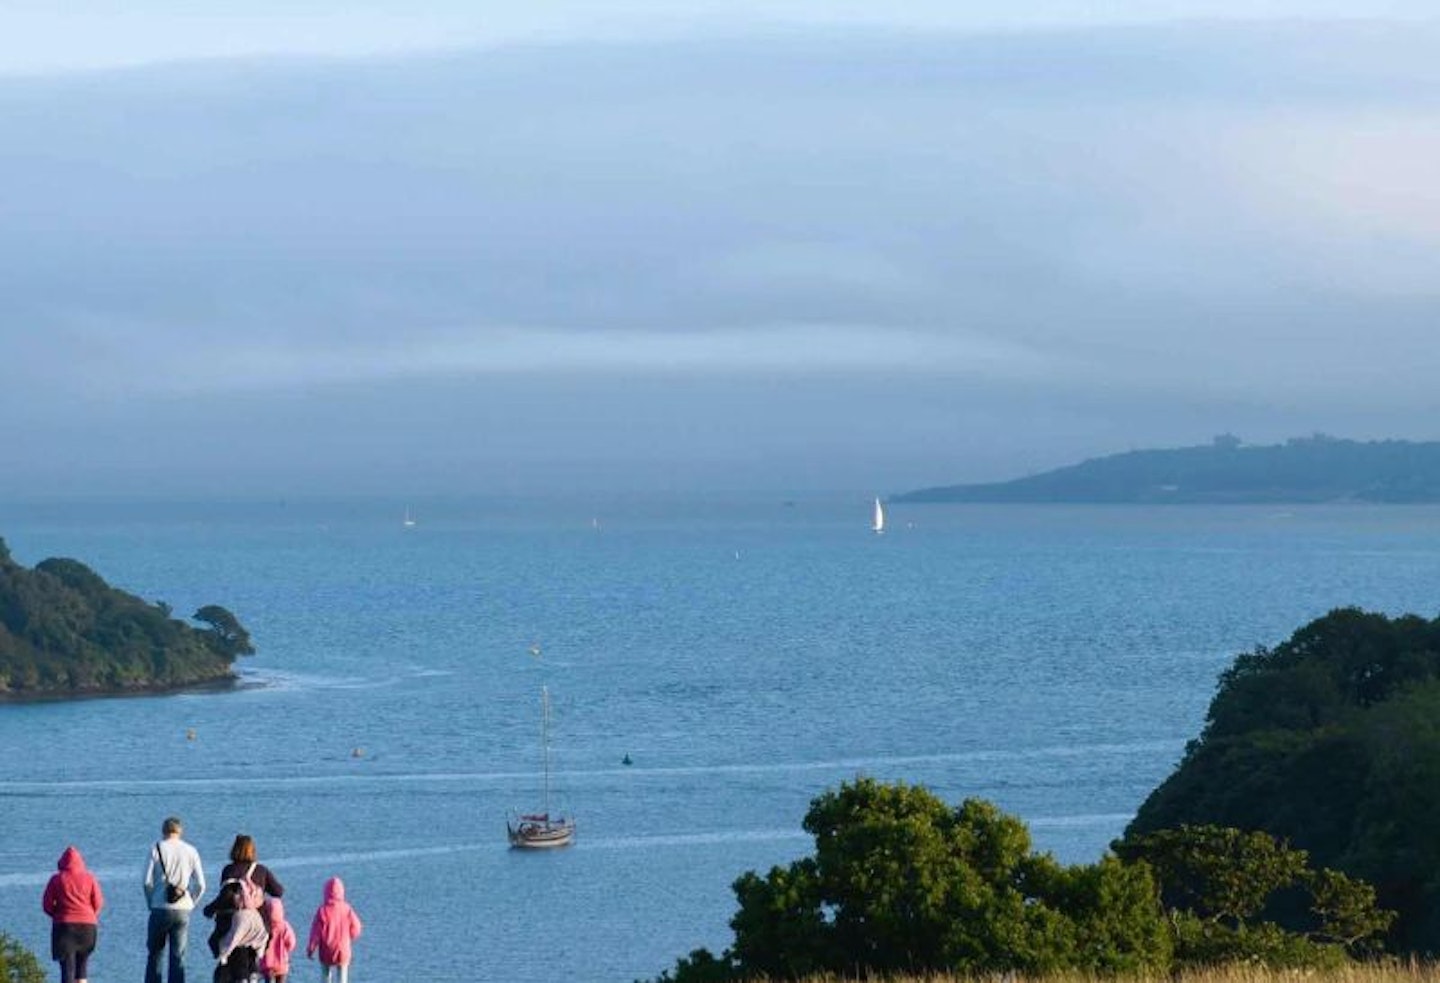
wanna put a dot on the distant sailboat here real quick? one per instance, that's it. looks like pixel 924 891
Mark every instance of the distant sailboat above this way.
pixel 879 524
pixel 409 519
pixel 541 830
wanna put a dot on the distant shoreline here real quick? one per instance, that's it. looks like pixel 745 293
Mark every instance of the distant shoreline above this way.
pixel 1316 470
pixel 219 685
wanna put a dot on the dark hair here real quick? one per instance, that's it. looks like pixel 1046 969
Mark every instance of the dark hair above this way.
pixel 170 825
pixel 243 852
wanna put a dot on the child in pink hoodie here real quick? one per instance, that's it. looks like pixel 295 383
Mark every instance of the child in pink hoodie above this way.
pixel 331 932
pixel 275 961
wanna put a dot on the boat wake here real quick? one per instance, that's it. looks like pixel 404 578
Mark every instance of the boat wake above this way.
pixel 31 879
pixel 721 837
pixel 696 839
pixel 893 761
pixel 600 776
pixel 1080 822
pixel 286 681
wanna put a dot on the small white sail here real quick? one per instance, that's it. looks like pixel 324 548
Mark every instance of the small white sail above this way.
pixel 879 524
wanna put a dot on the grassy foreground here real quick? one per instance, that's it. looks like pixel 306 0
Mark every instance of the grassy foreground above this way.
pixel 1416 972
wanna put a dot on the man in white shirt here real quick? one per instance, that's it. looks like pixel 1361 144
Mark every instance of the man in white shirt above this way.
pixel 173 866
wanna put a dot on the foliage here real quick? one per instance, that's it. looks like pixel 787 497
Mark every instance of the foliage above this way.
pixel 227 634
pixel 1201 943
pixel 1233 895
pixel 64 630
pixel 1354 972
pixel 1331 741
pixel 1221 875
pixel 17 964
pixel 1235 972
pixel 901 882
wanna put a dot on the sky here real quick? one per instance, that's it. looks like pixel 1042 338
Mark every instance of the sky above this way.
pixel 323 248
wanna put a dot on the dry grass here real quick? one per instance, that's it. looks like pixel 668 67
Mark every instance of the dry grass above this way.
pixel 1360 973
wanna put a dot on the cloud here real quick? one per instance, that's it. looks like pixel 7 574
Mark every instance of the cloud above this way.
pixel 40 36
pixel 1072 233
pixel 808 349
pixel 1349 194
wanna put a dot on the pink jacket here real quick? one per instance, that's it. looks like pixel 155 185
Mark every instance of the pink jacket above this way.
pixel 73 895
pixel 334 927
pixel 275 960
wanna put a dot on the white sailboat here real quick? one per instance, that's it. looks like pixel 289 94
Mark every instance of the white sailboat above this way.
pixel 541 830
pixel 879 522
pixel 409 519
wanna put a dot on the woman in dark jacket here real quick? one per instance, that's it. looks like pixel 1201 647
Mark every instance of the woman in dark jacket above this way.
pixel 242 855
pixel 242 859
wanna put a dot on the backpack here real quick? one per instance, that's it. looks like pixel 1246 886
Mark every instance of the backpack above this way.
pixel 249 894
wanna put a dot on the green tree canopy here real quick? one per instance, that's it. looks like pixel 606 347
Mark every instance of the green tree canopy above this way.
pixel 1234 895
pixel 902 882
pixel 17 963
pixel 229 635
pixel 64 630
pixel 1331 741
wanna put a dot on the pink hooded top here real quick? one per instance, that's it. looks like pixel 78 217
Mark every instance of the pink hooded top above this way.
pixel 73 895
pixel 335 925
pixel 275 960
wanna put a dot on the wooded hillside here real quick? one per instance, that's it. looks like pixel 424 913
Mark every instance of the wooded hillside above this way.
pixel 65 631
pixel 1226 471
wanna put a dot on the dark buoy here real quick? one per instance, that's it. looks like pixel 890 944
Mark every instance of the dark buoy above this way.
pixel 626 760
pixel 190 734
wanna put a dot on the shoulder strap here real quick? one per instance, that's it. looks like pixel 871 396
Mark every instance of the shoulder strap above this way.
pixel 160 856
pixel 250 874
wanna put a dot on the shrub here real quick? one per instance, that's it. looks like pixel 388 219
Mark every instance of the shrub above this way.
pixel 18 964
pixel 900 882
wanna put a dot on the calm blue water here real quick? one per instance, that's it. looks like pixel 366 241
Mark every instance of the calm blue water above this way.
pixel 745 654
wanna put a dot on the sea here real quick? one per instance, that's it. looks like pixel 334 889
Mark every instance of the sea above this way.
pixel 713 663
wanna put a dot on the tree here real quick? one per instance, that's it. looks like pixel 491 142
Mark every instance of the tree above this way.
pixel 18 964
pixel 63 630
pixel 1347 910
pixel 1232 895
pixel 75 575
pixel 1331 741
pixel 229 636
pixel 900 882
pixel 1221 875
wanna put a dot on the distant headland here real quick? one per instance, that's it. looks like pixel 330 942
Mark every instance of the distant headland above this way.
pixel 65 632
pixel 1302 470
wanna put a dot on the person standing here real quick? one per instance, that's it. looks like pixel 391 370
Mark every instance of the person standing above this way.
pixel 334 927
pixel 244 865
pixel 275 963
pixel 173 867
pixel 73 901
pixel 252 881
